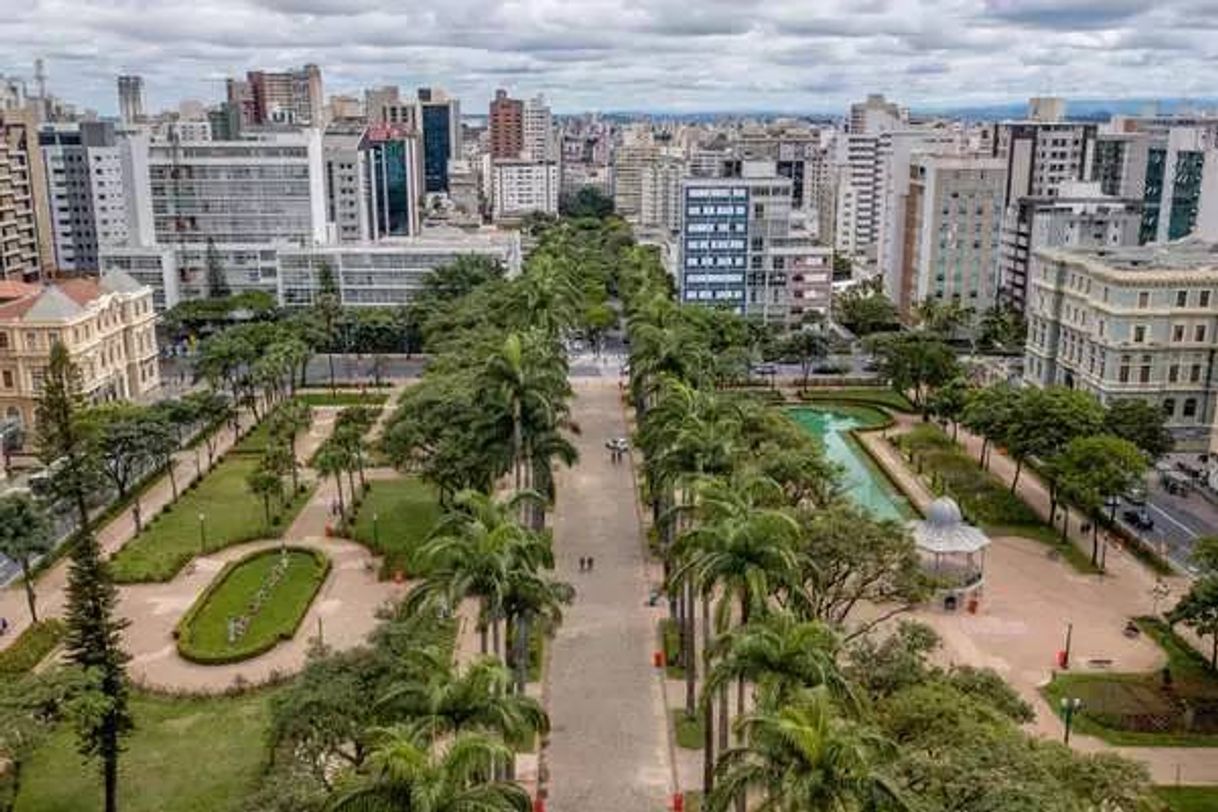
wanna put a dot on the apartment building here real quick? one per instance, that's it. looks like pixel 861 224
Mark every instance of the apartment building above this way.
pixel 106 323
pixel 660 194
pixel 279 97
pixel 1042 155
pixel 522 186
pixel 131 99
pixel 1135 322
pixel 344 166
pixel 952 227
pixel 738 247
pixel 630 159
pixel 1081 216
pixel 85 191
pixel 26 249
pixel 506 126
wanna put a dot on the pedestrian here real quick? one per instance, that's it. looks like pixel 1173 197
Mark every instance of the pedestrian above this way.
pixel 589 563
pixel 3 626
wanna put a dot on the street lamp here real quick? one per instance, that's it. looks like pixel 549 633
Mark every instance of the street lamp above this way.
pixel 1070 706
pixel 1066 652
pixel 202 534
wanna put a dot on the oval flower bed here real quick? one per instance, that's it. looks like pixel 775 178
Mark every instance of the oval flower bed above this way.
pixel 253 604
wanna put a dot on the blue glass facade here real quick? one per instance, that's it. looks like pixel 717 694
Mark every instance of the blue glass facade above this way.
pixel 437 146
pixel 389 187
pixel 715 244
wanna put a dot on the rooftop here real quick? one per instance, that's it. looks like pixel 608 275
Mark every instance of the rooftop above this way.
pixel 63 300
pixel 1187 255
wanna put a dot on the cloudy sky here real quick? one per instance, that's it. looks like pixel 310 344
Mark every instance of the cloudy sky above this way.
pixel 681 55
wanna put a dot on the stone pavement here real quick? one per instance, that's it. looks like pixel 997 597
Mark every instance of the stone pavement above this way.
pixel 112 536
pixel 609 749
pixel 1029 599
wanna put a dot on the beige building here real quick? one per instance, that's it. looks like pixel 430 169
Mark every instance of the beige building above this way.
pixel 25 231
pixel 107 324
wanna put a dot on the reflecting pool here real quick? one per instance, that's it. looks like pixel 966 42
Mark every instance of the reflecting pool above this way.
pixel 862 481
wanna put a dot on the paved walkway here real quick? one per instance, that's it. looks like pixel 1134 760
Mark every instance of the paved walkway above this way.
pixel 609 749
pixel 1028 601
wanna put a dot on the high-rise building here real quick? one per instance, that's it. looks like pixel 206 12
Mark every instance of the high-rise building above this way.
pixel 506 124
pixel 1041 156
pixel 523 187
pixel 225 201
pixel 537 130
pixel 660 199
pixel 394 183
pixel 1047 109
pixel 279 97
pixel 739 248
pixel 953 219
pixel 440 117
pixel 346 184
pixel 1079 217
pixel 1136 322
pixel 131 99
pixel 876 115
pixel 26 249
pixel 636 152
pixel 384 105
pixel 86 191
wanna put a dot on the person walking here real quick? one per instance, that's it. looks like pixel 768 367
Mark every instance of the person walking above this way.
pixel 589 563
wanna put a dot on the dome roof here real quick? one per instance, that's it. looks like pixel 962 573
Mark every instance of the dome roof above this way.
pixel 944 512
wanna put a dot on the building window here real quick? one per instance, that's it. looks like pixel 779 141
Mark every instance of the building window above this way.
pixel 1139 334
pixel 1182 298
pixel 1173 373
pixel 1190 407
pixel 1199 333
pixel 1169 407
pixel 1177 332
pixel 1144 372
pixel 1123 373
pixel 1194 374
pixel 1203 298
pixel 1143 299
pixel 8 379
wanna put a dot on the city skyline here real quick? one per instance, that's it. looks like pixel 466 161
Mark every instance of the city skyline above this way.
pixel 631 54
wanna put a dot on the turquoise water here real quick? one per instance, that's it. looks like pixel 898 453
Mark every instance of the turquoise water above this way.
pixel 866 485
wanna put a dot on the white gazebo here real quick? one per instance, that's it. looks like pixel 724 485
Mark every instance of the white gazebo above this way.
pixel 952 549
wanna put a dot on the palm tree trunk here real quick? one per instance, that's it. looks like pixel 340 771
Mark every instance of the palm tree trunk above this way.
pixel 521 655
pixel 495 644
pixel 708 714
pixel 28 579
pixel 1018 470
pixel 723 715
pixel 173 479
pixel 691 664
pixel 135 512
pixel 483 620
pixel 338 481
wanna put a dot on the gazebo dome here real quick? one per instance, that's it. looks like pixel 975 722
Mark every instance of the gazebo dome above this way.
pixel 944 512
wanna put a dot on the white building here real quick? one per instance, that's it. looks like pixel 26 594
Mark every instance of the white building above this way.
pixel 660 194
pixel 538 131
pixel 86 193
pixel 521 187
pixel 630 158
pixel 390 272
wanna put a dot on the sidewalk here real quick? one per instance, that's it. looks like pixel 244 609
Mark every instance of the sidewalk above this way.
pixel 609 748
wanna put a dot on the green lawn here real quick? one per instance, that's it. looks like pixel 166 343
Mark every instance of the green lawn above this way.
pixel 878 395
pixel 406 510
pixel 231 515
pixel 983 499
pixel 344 398
pixel 186 755
pixel 1189 799
pixel 34 644
pixel 203 631
pixel 1114 705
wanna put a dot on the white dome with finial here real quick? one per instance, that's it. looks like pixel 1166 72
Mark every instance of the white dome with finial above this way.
pixel 944 512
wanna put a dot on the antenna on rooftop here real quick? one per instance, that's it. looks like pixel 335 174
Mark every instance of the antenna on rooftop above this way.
pixel 40 77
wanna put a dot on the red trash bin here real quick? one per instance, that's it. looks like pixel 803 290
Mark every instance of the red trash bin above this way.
pixel 678 802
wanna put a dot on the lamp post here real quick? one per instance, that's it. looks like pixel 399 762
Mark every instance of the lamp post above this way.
pixel 1066 653
pixel 202 534
pixel 1070 706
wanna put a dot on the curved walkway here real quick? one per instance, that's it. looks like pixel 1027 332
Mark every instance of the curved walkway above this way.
pixel 344 610
pixel 1027 603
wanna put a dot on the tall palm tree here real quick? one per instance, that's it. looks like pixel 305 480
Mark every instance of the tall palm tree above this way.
pixel 532 600
pixel 803 756
pixel 474 700
pixel 333 460
pixel 472 553
pixel 405 773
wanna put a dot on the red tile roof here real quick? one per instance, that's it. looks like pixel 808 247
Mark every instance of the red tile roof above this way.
pixel 81 289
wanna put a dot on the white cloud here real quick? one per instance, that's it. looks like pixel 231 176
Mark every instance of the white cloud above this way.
pixel 626 54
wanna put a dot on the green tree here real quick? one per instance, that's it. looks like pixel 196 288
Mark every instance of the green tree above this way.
pixel 598 319
pixel 328 307
pixel 1198 608
pixel 989 413
pixel 806 346
pixel 1002 328
pixel 131 440
pixel 1042 422
pixel 803 755
pixel 943 318
pixel 864 309
pixel 405 773
pixel 264 484
pixel 1141 423
pixel 588 201
pixel 93 640
pixel 950 401
pixel 217 279
pixel 25 535
pixel 1095 468
pixel 915 362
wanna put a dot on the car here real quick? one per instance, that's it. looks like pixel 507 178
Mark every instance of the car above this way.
pixel 765 369
pixel 1135 495
pixel 1139 519
pixel 871 365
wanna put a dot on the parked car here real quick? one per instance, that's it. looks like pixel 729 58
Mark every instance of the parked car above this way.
pixel 1139 519
pixel 1135 495
pixel 765 369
